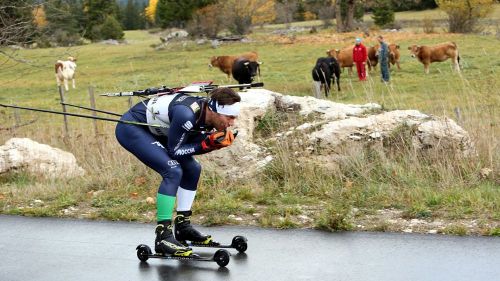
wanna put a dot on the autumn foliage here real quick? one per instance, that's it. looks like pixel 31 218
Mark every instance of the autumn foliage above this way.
pixel 463 15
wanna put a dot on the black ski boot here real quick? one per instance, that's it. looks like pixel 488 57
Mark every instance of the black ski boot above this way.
pixel 166 244
pixel 184 231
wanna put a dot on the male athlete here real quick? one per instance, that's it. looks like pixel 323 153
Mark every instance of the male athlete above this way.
pixel 191 126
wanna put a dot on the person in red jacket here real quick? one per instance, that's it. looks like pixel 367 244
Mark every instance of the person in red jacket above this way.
pixel 359 56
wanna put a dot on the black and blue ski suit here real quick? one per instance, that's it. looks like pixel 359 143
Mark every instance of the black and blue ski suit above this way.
pixel 169 151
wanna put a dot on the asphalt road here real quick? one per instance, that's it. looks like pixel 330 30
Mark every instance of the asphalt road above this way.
pixel 64 249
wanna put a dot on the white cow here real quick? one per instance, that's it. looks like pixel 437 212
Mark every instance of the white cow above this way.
pixel 65 70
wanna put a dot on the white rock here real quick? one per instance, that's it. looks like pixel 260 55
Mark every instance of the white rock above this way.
pixel 36 158
pixel 337 124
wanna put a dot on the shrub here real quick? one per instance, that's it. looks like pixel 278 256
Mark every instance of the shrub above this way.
pixel 383 13
pixel 111 29
pixel 428 25
pixel 463 15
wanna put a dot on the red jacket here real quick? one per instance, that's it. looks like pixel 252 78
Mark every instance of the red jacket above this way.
pixel 359 53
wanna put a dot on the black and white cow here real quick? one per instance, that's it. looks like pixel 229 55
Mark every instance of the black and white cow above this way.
pixel 245 70
pixel 324 71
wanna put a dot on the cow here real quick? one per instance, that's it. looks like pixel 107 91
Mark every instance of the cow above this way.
pixel 65 70
pixel 225 63
pixel 394 55
pixel 439 53
pixel 244 70
pixel 324 71
pixel 372 56
pixel 343 57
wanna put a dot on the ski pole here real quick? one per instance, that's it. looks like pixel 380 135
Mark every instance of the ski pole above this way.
pixel 84 116
pixel 92 109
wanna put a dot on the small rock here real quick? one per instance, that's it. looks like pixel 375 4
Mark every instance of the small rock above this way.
pixel 150 200
pixel 485 172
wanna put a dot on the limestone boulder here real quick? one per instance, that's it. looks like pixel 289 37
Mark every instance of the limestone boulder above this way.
pixel 40 159
pixel 333 125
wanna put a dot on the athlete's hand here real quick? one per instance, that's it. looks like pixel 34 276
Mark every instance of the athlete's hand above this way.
pixel 218 140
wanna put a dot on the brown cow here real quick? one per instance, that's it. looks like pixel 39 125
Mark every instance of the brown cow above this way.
pixel 394 55
pixel 439 52
pixel 373 56
pixel 343 57
pixel 225 63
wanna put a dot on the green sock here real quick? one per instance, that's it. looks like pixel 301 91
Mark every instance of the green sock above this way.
pixel 164 207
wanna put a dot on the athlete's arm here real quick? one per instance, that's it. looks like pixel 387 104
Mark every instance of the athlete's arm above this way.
pixel 182 121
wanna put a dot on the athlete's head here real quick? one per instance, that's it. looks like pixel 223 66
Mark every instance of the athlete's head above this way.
pixel 223 108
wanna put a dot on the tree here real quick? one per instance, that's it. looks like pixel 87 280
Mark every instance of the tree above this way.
pixel 111 29
pixel 39 16
pixel 132 17
pixel 207 21
pixel 150 11
pixel 16 22
pixel 285 10
pixel 346 11
pixel 383 13
pixel 240 13
pixel 96 13
pixel 349 21
pixel 338 16
pixel 176 13
pixel 463 15
pixel 265 13
pixel 65 22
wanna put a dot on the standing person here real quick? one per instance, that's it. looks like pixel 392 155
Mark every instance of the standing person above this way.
pixel 359 56
pixel 383 58
pixel 193 126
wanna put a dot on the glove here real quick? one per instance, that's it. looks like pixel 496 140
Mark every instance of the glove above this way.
pixel 218 140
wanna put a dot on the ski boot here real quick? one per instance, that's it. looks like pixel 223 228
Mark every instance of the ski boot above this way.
pixel 166 244
pixel 184 231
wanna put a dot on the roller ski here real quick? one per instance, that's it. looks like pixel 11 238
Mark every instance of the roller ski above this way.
pixel 221 257
pixel 167 247
pixel 190 237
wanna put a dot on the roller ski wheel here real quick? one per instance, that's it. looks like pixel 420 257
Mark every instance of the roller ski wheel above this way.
pixel 221 257
pixel 239 243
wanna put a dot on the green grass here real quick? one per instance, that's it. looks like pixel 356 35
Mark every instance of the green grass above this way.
pixel 424 188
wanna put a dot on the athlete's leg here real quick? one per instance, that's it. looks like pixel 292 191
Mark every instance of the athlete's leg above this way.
pixel 185 197
pixel 140 142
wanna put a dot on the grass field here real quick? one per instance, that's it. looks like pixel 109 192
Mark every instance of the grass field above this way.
pixel 458 193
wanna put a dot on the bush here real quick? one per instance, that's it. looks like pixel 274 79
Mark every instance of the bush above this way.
pixel 383 13
pixel 463 15
pixel 428 25
pixel 111 29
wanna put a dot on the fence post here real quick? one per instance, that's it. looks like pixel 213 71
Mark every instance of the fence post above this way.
pixel 61 94
pixel 17 120
pixel 92 104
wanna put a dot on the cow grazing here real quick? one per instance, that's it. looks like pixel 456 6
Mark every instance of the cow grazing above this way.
pixel 225 63
pixel 324 71
pixel 439 53
pixel 244 70
pixel 394 55
pixel 65 70
pixel 343 57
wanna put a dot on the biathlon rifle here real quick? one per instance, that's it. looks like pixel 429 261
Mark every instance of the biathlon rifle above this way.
pixel 195 87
